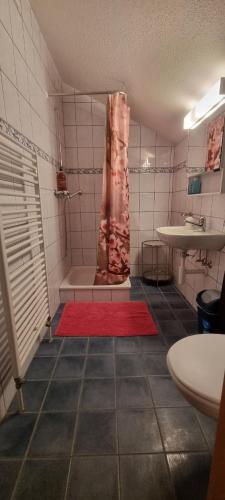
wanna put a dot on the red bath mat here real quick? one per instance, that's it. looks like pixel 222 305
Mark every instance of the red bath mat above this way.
pixel 102 319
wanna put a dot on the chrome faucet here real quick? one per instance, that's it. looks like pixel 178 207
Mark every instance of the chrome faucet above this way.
pixel 195 221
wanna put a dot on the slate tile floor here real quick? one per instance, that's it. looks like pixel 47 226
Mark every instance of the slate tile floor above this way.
pixel 104 419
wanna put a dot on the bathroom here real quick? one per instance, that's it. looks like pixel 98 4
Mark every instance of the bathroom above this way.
pixel 102 416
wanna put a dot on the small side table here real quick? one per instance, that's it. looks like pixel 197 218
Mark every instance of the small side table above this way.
pixel 156 263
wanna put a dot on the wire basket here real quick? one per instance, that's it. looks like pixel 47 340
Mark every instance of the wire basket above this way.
pixel 157 265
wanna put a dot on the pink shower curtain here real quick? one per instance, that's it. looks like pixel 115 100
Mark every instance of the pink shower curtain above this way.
pixel 114 235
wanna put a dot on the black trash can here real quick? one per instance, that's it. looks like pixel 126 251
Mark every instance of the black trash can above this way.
pixel 209 320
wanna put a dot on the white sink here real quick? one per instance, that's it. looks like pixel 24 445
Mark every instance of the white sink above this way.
pixel 187 238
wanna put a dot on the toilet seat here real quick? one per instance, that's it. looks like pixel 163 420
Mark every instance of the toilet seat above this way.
pixel 197 366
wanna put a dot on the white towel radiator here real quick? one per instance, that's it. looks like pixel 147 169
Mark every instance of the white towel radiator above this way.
pixel 23 277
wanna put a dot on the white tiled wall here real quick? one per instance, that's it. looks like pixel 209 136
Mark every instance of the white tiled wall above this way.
pixel 27 73
pixel 150 193
pixel 57 250
pixel 211 206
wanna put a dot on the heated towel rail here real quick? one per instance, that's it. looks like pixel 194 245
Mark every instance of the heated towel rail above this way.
pixel 23 278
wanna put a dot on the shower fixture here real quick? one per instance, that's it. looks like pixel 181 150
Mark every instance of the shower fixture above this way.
pixel 75 194
pixel 66 195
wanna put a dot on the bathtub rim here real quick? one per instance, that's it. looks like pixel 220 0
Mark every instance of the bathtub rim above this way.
pixel 67 286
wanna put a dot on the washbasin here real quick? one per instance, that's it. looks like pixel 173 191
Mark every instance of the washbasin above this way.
pixel 186 238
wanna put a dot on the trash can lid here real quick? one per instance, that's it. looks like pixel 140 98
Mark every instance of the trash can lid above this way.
pixel 209 301
pixel 210 296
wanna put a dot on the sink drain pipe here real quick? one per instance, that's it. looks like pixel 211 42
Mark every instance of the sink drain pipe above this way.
pixel 182 270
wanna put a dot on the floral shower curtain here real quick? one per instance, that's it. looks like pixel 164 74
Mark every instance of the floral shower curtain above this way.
pixel 114 235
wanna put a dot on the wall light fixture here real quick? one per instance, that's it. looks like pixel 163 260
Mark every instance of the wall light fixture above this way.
pixel 207 105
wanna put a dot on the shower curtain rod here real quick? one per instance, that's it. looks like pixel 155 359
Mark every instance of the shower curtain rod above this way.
pixel 99 92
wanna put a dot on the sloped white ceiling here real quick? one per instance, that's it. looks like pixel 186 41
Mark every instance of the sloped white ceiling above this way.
pixel 167 52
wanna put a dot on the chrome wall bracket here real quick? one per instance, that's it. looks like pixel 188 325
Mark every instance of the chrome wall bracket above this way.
pixel 66 194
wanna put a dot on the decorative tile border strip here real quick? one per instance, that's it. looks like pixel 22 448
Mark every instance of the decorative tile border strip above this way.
pixel 179 166
pixel 83 170
pixel 132 170
pixel 189 170
pixel 18 137
pixel 21 139
pixel 193 170
pixel 150 170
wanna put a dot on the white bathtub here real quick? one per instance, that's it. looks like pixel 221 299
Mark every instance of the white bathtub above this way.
pixel 78 286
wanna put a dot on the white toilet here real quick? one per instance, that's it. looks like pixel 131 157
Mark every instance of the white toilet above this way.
pixel 197 366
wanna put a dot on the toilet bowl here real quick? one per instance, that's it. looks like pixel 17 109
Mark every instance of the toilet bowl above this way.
pixel 197 366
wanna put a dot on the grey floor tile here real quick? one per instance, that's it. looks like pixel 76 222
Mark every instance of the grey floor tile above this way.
pixel 185 314
pixel 99 366
pixel 57 316
pixel 98 393
pixel 33 394
pixel 168 288
pixel 137 297
pixel 93 478
pixel 42 479
pixel 15 432
pixel 135 281
pixel 55 322
pixel 180 430
pixel 129 365
pixel 176 301
pixel 172 328
pixel 154 363
pixel 101 345
pixel 158 302
pixel 209 427
pixel 47 348
pixel 69 367
pixel 164 314
pixel 96 433
pixel 151 289
pixel 145 477
pixel 40 368
pixel 8 475
pixel 62 395
pixel 170 340
pixel 60 309
pixel 191 327
pixel 165 392
pixel 190 475
pixel 133 392
pixel 137 291
pixel 53 436
pixel 152 343
pixel 74 346
pixel 138 432
pixel 127 345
